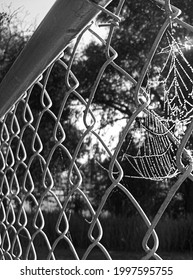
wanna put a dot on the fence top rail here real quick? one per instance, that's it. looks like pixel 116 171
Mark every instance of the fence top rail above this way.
pixel 60 26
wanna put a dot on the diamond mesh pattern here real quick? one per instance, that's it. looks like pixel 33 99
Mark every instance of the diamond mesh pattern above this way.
pixel 32 149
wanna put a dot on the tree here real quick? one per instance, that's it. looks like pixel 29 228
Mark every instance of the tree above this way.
pixel 132 40
pixel 12 41
pixel 12 38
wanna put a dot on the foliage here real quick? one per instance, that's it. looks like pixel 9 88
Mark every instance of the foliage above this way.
pixel 141 21
pixel 132 40
pixel 12 39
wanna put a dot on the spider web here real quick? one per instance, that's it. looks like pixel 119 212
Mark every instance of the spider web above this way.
pixel 154 157
pixel 151 152
pixel 178 83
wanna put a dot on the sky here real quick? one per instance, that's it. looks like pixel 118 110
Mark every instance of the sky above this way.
pixel 35 9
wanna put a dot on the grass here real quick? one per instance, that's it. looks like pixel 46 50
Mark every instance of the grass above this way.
pixel 63 254
pixel 122 237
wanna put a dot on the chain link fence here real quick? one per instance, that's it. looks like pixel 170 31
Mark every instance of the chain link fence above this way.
pixel 41 150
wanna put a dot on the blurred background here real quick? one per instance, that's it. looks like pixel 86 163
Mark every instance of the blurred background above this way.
pixel 122 225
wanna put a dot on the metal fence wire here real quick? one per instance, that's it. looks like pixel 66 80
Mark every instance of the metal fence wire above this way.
pixel 35 137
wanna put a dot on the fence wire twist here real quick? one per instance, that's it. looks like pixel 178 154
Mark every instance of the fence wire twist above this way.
pixel 24 150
